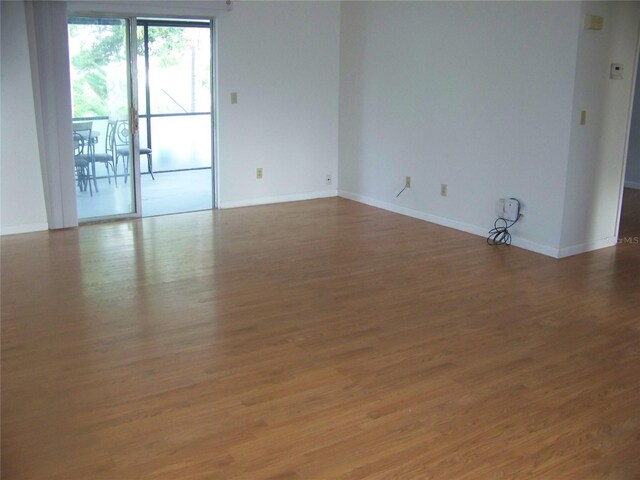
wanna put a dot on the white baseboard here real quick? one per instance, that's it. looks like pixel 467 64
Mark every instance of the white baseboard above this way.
pixel 447 222
pixel 630 184
pixel 587 247
pixel 534 247
pixel 32 227
pixel 296 197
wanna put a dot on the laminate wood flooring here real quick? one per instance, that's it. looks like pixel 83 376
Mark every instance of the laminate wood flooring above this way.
pixel 314 340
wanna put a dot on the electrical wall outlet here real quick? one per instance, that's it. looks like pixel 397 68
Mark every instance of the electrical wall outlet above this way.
pixel 444 189
pixel 407 182
pixel 259 173
pixel 617 69
pixel 593 22
pixel 509 209
pixel 328 179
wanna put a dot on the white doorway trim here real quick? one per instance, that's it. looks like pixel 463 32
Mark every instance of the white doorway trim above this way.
pixel 628 134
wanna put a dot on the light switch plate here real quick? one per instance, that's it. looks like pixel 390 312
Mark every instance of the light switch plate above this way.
pixel 234 98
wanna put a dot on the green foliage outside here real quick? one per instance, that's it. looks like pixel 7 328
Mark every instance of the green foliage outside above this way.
pixel 96 91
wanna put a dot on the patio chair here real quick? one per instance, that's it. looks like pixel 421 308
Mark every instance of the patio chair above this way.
pixel 82 155
pixel 122 149
pixel 108 157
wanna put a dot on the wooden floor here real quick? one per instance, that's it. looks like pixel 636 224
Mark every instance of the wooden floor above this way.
pixel 314 340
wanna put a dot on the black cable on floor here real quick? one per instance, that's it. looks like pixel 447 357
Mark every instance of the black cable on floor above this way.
pixel 499 234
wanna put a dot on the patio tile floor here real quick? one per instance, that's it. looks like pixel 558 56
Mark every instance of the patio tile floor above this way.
pixel 170 192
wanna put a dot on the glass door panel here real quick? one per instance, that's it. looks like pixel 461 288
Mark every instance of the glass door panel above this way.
pixel 174 90
pixel 101 106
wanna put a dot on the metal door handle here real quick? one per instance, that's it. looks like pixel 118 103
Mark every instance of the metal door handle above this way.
pixel 134 121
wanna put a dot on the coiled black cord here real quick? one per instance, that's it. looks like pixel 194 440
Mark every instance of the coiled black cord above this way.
pixel 499 234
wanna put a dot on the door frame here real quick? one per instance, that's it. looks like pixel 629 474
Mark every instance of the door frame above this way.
pixel 134 137
pixel 215 167
pixel 634 81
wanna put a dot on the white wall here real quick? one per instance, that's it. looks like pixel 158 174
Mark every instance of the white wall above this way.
pixel 632 178
pixel 477 95
pixel 22 199
pixel 596 159
pixel 282 59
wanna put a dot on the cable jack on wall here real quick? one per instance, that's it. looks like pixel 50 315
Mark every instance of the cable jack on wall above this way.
pixel 509 215
pixel 407 184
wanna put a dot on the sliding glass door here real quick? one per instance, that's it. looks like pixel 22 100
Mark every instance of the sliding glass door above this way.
pixel 104 120
pixel 174 85
pixel 151 160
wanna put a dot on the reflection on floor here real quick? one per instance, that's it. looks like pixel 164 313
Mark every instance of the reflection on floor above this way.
pixel 171 192
pixel 630 218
